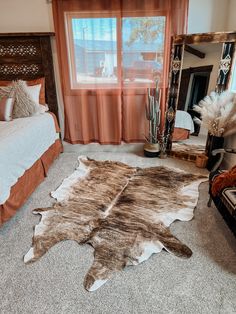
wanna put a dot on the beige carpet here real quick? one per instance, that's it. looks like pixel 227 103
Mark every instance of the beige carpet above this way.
pixel 205 283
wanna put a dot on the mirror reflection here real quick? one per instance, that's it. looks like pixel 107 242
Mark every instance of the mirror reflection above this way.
pixel 199 76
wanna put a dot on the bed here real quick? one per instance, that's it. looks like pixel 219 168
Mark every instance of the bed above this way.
pixel 28 146
pixel 183 126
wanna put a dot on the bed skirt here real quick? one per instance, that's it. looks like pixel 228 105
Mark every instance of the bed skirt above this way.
pixel 180 134
pixel 27 183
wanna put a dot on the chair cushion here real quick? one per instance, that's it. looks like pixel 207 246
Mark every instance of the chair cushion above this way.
pixel 222 181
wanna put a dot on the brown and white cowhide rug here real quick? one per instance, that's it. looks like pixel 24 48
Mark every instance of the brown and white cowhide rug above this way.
pixel 122 211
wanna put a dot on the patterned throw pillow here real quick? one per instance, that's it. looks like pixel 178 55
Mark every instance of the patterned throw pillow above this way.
pixel 24 105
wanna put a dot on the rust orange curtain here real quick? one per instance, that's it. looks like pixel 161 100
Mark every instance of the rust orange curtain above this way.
pixel 108 106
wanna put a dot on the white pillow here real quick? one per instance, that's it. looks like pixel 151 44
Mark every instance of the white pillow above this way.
pixel 33 91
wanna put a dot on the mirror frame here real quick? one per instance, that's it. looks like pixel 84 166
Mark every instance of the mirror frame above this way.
pixel 228 40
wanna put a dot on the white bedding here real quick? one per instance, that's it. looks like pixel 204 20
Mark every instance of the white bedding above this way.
pixel 22 142
pixel 183 120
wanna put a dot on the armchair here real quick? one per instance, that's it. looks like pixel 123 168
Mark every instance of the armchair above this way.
pixel 222 189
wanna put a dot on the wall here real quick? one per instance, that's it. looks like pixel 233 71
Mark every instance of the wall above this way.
pixel 230 159
pixel 25 16
pixel 208 16
pixel 231 19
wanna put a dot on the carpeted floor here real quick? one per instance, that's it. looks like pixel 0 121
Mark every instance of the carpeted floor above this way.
pixel 205 283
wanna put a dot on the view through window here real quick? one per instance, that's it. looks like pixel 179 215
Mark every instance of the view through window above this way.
pixel 109 49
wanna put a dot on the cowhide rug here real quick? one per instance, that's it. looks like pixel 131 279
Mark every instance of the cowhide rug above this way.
pixel 122 211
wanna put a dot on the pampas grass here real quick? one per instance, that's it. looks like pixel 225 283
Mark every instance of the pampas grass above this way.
pixel 218 113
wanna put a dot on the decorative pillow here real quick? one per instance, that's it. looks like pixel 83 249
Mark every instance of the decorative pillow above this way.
pixel 24 105
pixel 38 81
pixel 6 108
pixel 33 91
pixel 6 103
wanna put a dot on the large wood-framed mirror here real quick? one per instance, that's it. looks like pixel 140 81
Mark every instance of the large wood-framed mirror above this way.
pixel 200 64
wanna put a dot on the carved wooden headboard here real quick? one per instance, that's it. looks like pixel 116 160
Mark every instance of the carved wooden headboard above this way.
pixel 28 56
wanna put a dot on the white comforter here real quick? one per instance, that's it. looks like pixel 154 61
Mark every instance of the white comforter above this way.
pixel 22 142
pixel 183 120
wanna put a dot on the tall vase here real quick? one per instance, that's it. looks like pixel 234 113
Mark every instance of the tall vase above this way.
pixel 213 142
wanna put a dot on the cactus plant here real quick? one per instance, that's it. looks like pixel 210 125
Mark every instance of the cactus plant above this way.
pixel 156 136
pixel 153 115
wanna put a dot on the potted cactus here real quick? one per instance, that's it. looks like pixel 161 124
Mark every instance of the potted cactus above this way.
pixel 152 146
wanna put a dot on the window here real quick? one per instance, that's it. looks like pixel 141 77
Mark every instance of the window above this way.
pixel 108 50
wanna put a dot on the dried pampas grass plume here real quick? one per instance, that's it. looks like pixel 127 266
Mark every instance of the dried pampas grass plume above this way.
pixel 218 113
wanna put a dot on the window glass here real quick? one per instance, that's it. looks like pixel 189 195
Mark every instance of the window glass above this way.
pixel 143 46
pixel 106 50
pixel 95 49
